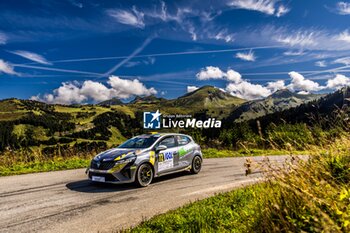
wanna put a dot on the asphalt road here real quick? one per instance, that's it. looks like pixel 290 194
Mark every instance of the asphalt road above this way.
pixel 65 201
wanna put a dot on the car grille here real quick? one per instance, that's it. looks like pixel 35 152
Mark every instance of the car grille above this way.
pixel 102 165
pixel 108 177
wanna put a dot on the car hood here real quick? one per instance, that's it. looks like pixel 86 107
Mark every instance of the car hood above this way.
pixel 113 154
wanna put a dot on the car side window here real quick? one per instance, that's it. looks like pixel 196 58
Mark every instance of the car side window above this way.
pixel 182 140
pixel 168 142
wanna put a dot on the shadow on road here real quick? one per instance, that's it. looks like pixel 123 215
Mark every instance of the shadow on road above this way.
pixel 86 186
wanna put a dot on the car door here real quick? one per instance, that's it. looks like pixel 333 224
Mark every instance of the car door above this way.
pixel 167 160
pixel 185 150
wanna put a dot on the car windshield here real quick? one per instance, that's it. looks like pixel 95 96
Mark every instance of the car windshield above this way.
pixel 139 142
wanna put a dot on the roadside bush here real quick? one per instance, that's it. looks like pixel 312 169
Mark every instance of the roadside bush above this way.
pixel 310 196
pixel 283 135
pixel 240 134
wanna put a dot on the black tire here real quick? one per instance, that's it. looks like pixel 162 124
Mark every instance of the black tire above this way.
pixel 196 165
pixel 144 175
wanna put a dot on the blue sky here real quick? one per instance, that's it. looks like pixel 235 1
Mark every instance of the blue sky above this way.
pixel 75 51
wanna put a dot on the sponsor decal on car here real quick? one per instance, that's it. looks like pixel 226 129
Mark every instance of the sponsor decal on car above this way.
pixel 152 157
pixel 165 161
pixel 183 151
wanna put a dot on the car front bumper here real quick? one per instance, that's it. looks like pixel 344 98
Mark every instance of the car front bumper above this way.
pixel 119 174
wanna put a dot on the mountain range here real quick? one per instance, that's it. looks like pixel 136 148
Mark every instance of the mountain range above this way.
pixel 278 101
pixel 215 101
pixel 39 125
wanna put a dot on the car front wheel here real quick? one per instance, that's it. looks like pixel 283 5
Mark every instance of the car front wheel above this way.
pixel 196 165
pixel 144 175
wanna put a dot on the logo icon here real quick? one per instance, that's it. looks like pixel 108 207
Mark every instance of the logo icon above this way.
pixel 151 120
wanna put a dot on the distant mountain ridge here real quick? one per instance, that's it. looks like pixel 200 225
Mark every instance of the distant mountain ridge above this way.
pixel 321 108
pixel 113 101
pixel 207 96
pixel 276 102
pixel 151 99
pixel 215 101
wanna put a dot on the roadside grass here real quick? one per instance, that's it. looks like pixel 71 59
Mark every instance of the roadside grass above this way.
pixel 234 211
pixel 55 164
pixel 303 196
pixel 224 153
pixel 21 163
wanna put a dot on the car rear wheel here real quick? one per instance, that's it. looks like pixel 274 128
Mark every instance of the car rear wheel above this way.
pixel 144 175
pixel 196 165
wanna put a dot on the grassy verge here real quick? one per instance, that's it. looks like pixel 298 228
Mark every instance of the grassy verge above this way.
pixel 215 153
pixel 15 164
pixel 305 196
pixel 233 211
pixel 43 166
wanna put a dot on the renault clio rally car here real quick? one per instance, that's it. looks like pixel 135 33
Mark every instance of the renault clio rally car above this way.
pixel 144 157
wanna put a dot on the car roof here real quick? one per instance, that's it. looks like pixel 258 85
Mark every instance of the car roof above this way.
pixel 156 134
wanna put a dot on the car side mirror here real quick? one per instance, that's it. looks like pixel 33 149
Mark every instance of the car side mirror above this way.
pixel 161 147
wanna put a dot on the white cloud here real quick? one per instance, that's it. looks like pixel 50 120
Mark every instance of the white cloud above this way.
pixel 237 86
pixel 70 93
pixel 192 32
pixel 125 88
pixel 133 18
pixel 294 53
pixel 210 72
pixel 148 61
pixel 343 60
pixel 247 90
pixel 3 38
pixel 191 88
pixel 344 36
pixel 31 56
pixel 299 38
pixel 299 83
pixel 246 56
pixel 242 88
pixel 303 93
pixel 343 8
pixel 338 81
pixel 163 14
pixel 268 7
pixel 224 35
pixel 6 68
pixel 96 91
pixel 275 86
pixel 321 63
pixel 282 10
pixel 233 76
